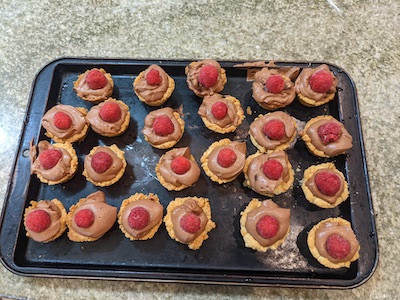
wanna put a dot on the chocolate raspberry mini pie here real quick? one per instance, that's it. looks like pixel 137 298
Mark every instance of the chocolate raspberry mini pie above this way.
pixel 188 221
pixel 333 243
pixel 224 160
pixel 45 220
pixel 264 225
pixel 104 165
pixel 205 77
pixel 153 86
pixel 272 90
pixel 90 218
pixel 177 169
pixel 221 114
pixel 273 132
pixel 326 137
pixel 324 185
pixel 55 163
pixel 316 86
pixel 163 128
pixel 94 85
pixel 268 174
pixel 140 216
pixel 65 123
pixel 109 118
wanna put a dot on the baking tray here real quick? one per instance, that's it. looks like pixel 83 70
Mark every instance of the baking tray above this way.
pixel 222 259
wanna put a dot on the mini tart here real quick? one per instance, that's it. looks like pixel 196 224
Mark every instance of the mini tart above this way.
pixel 267 99
pixel 63 171
pixel 193 70
pixel 152 204
pixel 113 173
pixel 316 241
pixel 229 123
pixel 153 95
pixel 171 180
pixel 218 173
pixel 75 133
pixel 83 91
pixel 177 209
pixel 306 95
pixel 168 141
pixel 262 142
pixel 313 142
pixel 104 216
pixel 315 196
pixel 259 182
pixel 256 210
pixel 58 218
pixel 109 129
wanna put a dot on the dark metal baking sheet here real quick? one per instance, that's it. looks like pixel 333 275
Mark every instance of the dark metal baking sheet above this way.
pixel 223 258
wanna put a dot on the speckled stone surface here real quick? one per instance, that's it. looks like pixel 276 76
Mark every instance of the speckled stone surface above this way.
pixel 360 36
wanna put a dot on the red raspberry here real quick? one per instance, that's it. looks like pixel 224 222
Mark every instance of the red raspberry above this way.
pixel 190 223
pixel 49 158
pixel 153 77
pixel 208 76
pixel 219 110
pixel 226 157
pixel 329 132
pixel 110 112
pixel 138 218
pixel 274 129
pixel 328 183
pixel 96 79
pixel 180 165
pixel 101 161
pixel 62 120
pixel 321 81
pixel 275 84
pixel 84 218
pixel 163 126
pixel 337 246
pixel 267 227
pixel 273 169
pixel 38 220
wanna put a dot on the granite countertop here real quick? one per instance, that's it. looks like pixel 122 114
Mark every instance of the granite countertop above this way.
pixel 362 37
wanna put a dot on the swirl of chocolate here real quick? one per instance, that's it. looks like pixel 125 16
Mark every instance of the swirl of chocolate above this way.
pixel 236 168
pixel 259 182
pixel 148 126
pixel 151 93
pixel 232 117
pixel 193 70
pixel 155 210
pixel 268 208
pixel 310 183
pixel 302 84
pixel 105 215
pixel 256 129
pixel 78 121
pixel 188 178
pixel 270 100
pixel 85 92
pixel 189 206
pixel 110 173
pixel 325 230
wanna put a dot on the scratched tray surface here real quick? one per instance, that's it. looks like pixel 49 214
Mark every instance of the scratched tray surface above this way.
pixel 223 257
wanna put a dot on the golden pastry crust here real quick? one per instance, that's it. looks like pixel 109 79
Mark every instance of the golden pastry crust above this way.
pixel 205 206
pixel 218 129
pixel 312 103
pixel 93 96
pixel 63 218
pixel 120 154
pixel 250 241
pixel 125 203
pixel 314 251
pixel 309 172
